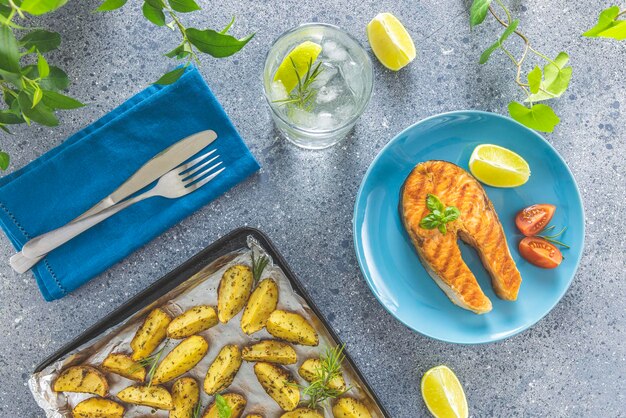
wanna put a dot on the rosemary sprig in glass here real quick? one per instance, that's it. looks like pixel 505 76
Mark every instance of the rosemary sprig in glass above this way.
pixel 151 362
pixel 319 389
pixel 304 94
pixel 552 238
pixel 258 265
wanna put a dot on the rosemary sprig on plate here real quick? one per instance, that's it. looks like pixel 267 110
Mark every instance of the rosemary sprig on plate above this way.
pixel 303 95
pixel 151 362
pixel 318 389
pixel 258 265
pixel 552 238
pixel 197 411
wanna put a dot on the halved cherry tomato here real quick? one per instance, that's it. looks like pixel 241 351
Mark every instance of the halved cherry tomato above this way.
pixel 533 219
pixel 540 252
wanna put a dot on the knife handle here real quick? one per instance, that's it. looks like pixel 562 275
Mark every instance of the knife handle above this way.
pixel 21 264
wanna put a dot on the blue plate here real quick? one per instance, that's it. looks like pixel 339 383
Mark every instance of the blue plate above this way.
pixel 390 264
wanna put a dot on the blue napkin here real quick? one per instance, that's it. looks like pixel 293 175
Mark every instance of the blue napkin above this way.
pixel 71 178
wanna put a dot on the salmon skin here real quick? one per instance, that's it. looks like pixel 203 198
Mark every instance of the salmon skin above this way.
pixel 478 225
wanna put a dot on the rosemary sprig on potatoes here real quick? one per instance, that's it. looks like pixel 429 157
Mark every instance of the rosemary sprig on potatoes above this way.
pixel 320 388
pixel 151 362
pixel 258 265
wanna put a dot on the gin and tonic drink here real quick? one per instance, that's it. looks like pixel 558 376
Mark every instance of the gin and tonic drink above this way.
pixel 317 80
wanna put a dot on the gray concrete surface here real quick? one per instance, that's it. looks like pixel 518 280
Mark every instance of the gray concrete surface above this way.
pixel 570 364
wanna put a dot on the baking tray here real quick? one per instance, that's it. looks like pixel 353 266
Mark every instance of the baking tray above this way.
pixel 232 241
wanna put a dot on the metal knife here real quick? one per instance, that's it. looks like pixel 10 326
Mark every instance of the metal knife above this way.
pixel 160 164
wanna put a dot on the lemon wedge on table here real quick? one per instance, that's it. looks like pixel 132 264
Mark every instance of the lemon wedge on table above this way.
pixel 498 167
pixel 443 393
pixel 390 41
pixel 300 57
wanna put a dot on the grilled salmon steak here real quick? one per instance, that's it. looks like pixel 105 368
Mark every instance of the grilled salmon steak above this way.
pixel 477 225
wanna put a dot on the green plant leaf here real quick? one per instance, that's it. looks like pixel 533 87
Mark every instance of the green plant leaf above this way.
pixel 171 77
pixel 534 79
pixel 478 11
pixel 180 52
pixel 110 5
pixel 484 57
pixel 41 40
pixel 230 25
pixel 9 51
pixel 55 100
pixel 42 66
pixel 37 96
pixel 4 160
pixel 216 44
pixel 540 117
pixel 451 213
pixel 153 14
pixel 608 26
pixel 9 118
pixel 56 80
pixel 556 78
pixel 223 410
pixel 184 6
pixel 433 203
pixel 41 113
pixel 39 7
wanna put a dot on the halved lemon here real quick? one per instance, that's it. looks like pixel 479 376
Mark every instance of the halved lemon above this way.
pixel 498 167
pixel 300 57
pixel 390 41
pixel 443 393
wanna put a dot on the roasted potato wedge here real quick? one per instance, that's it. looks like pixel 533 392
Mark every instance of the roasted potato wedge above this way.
pixel 302 413
pixel 150 334
pixel 223 369
pixel 347 407
pixel 233 292
pixel 83 379
pixel 310 369
pixel 181 359
pixel 98 408
pixel 271 351
pixel 125 366
pixel 261 304
pixel 155 396
pixel 185 397
pixel 279 384
pixel 192 321
pixel 291 327
pixel 236 402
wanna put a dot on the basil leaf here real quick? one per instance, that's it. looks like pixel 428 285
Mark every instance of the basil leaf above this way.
pixel 184 6
pixel 216 44
pixel 429 222
pixel 41 40
pixel 540 117
pixel 9 50
pixel 109 5
pixel 442 228
pixel 39 7
pixel 55 100
pixel 223 410
pixel 478 11
pixel 153 14
pixel 433 203
pixel 484 57
pixel 4 160
pixel 170 77
pixel 451 214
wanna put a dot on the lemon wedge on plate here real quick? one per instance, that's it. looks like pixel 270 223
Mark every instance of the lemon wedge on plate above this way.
pixel 443 393
pixel 390 41
pixel 498 167
pixel 301 56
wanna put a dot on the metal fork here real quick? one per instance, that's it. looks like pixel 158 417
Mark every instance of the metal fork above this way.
pixel 178 182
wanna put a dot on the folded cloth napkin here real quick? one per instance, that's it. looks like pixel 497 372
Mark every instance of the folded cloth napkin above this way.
pixel 71 178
